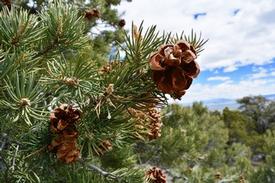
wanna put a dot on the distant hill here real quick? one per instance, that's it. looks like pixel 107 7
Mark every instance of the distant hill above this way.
pixel 221 103
pixel 270 97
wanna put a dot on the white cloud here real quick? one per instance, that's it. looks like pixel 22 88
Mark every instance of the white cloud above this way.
pixel 201 92
pixel 260 73
pixel 218 78
pixel 247 38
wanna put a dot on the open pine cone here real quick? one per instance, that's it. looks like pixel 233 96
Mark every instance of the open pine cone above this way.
pixel 62 117
pixel 155 175
pixel 62 122
pixel 174 68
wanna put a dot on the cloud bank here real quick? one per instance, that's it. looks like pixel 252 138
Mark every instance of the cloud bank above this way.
pixel 240 32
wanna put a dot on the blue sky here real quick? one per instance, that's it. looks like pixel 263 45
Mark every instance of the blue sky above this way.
pixel 238 60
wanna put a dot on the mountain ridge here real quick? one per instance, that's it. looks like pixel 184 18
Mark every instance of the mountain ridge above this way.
pixel 220 103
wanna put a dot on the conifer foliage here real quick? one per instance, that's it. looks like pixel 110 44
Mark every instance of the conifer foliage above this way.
pixel 63 112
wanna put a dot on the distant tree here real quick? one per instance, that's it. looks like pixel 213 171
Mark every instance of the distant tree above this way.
pixel 239 125
pixel 265 173
pixel 260 110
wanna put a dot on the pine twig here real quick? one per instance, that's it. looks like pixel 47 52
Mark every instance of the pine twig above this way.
pixel 99 170
pixel 36 152
pixel 13 159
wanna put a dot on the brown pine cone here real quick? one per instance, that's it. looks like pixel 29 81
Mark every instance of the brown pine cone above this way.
pixel 62 117
pixel 93 13
pixel 155 175
pixel 174 68
pixel 122 23
pixel 155 124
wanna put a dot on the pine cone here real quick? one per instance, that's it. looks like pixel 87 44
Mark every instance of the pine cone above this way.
pixel 155 124
pixel 122 23
pixel 63 121
pixel 93 13
pixel 155 175
pixel 174 68
pixel 63 116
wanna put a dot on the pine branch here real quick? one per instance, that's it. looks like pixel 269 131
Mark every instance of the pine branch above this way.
pixel 36 152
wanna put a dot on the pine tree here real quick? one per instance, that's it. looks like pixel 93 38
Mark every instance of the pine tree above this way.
pixel 194 148
pixel 104 25
pixel 65 115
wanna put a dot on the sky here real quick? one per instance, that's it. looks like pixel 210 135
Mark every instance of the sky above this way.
pixel 239 58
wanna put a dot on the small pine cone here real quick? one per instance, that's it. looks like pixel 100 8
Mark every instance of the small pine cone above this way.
pixel 155 175
pixel 155 124
pixel 62 117
pixel 93 13
pixel 121 23
pixel 174 68
pixel 104 147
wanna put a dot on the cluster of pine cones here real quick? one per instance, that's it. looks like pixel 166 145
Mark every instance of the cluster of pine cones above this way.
pixel 62 126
